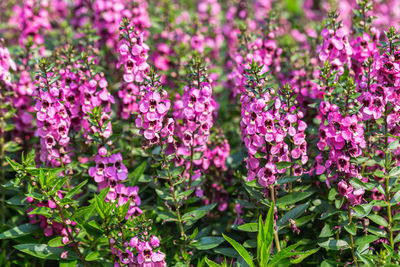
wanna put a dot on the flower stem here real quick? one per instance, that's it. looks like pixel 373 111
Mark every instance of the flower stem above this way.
pixel 278 246
pixel 3 177
pixel 387 187
pixel 178 214
pixel 351 236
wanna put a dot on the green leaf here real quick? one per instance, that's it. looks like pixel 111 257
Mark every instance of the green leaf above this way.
pixel 395 172
pixel 283 164
pixel 362 210
pixel 362 240
pixel 18 231
pixel 378 220
pixel 229 252
pixel 45 211
pixel 208 242
pixel 301 255
pixel 138 172
pixel 210 263
pixel 241 250
pixel 248 227
pixel 92 256
pixel 64 263
pixel 265 236
pixel 11 146
pixel 198 213
pixel 292 214
pixel 287 179
pixel 294 197
pixel 326 231
pixel 333 244
pixel 74 190
pixel 395 199
pixel 55 242
pixel 15 165
pixel 379 173
pixel 351 229
pixel 283 254
pixel 394 145
pixel 43 251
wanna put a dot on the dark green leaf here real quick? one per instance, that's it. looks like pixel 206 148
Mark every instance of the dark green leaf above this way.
pixel 208 242
pixel 241 250
pixel 362 240
pixel 43 251
pixel 283 164
pixel 378 220
pixel 294 197
pixel 74 190
pixel 18 231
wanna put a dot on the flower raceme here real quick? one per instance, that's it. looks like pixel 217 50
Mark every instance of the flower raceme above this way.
pixel 264 132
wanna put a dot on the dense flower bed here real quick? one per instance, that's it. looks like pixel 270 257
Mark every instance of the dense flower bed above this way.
pixel 200 133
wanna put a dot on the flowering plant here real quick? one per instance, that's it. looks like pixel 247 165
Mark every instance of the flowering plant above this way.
pixel 199 133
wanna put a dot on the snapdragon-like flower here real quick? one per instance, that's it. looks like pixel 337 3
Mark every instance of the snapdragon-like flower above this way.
pixel 335 48
pixel 133 54
pixel 53 123
pixel 264 130
pixel 105 16
pixel 195 111
pixel 140 251
pixel 31 19
pixel 6 64
pixel 342 137
pixel 152 110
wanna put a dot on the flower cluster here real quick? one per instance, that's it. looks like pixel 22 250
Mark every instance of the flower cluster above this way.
pixel 6 63
pixel 133 54
pixel 264 130
pixel 105 16
pixel 343 135
pixel 194 111
pixel 31 19
pixel 152 110
pixel 53 122
pixel 140 251
pixel 335 48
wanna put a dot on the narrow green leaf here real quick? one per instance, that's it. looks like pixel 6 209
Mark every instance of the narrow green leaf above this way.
pixel 138 172
pixel 74 190
pixel 208 242
pixel 43 251
pixel 292 214
pixel 55 242
pixel 293 198
pixel 198 213
pixel 378 220
pixel 362 240
pixel 241 250
pixel 351 229
pixel 45 211
pixel 92 256
pixel 283 164
pixel 210 263
pixel 395 172
pixel 248 227
pixel 333 244
pixel 283 254
pixel 18 231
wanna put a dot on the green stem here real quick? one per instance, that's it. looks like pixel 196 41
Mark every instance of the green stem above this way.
pixel 3 177
pixel 180 224
pixel 387 189
pixel 191 166
pixel 351 236
pixel 278 245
